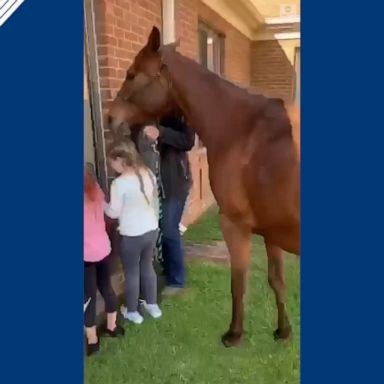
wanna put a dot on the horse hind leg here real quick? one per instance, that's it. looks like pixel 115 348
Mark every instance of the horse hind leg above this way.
pixel 238 240
pixel 277 283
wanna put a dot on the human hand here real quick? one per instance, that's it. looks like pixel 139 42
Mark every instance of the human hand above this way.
pixel 151 132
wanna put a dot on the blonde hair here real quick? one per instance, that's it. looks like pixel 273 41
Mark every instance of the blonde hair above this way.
pixel 128 153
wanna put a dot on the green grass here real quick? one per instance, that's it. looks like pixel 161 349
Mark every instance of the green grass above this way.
pixel 205 230
pixel 184 346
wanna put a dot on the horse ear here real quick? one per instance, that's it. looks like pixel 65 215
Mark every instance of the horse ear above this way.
pixel 154 40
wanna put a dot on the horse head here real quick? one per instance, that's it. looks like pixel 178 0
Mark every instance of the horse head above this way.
pixel 145 93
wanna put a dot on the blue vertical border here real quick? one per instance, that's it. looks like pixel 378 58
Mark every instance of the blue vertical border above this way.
pixel 342 192
pixel 41 107
pixel 41 157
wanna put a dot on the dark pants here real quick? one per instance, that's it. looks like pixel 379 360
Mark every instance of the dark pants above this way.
pixel 137 259
pixel 173 252
pixel 97 276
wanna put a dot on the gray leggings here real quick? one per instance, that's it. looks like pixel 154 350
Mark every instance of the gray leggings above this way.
pixel 137 259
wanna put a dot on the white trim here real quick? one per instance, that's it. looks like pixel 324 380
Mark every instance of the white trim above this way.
pixel 90 28
pixel 252 8
pixel 168 21
pixel 8 8
pixel 292 9
pixel 276 36
pixel 241 14
pixel 282 20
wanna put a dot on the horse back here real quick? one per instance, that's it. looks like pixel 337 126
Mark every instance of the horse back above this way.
pixel 272 171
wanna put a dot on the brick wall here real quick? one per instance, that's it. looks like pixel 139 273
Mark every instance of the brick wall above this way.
pixel 271 70
pixel 237 46
pixel 122 27
pixel 186 27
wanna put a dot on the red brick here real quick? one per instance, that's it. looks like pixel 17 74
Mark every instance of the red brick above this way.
pixel 118 11
pixel 107 72
pixel 106 94
pixel 119 33
pixel 120 74
pixel 123 53
pixel 124 44
pixel 125 4
pixel 121 23
pixel 106 29
pixel 271 72
pixel 136 47
pixel 130 18
pixel 132 37
pixel 138 30
pixel 124 64
pixel 107 40
pixel 108 61
pixel 102 50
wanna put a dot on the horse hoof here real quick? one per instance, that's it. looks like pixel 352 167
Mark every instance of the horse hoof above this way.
pixel 231 339
pixel 282 334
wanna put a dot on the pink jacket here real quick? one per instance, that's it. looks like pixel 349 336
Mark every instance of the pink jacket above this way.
pixel 96 241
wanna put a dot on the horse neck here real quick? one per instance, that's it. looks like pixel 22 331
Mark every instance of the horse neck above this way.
pixel 192 87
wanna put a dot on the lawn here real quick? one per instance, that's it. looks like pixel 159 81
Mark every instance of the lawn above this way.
pixel 184 346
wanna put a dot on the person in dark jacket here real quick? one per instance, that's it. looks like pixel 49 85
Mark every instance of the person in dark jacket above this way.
pixel 174 139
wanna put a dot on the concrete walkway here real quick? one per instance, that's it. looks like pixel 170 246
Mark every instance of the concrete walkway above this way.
pixel 216 252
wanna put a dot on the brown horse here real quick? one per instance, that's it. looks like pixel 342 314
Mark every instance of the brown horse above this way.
pixel 253 154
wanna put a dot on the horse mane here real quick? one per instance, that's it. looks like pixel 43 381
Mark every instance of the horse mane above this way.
pixel 271 108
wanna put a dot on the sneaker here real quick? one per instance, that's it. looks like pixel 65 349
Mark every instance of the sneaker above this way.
pixel 171 291
pixel 134 317
pixel 152 309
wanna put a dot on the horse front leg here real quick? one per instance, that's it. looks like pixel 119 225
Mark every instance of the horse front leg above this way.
pixel 238 240
pixel 277 283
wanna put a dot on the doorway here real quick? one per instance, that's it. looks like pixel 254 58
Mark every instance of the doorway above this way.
pixel 94 141
pixel 89 139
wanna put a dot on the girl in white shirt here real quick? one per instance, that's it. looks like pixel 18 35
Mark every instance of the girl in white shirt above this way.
pixel 134 204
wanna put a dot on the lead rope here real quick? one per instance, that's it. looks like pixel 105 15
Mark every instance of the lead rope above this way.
pixel 160 191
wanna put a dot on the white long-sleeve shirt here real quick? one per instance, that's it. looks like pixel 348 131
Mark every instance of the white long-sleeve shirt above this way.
pixel 128 204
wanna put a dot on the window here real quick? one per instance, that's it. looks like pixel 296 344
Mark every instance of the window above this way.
pixel 211 54
pixel 211 49
pixel 296 96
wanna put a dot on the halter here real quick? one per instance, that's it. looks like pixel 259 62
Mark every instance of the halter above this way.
pixel 167 78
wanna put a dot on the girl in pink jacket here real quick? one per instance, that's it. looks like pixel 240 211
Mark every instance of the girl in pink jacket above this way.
pixel 96 265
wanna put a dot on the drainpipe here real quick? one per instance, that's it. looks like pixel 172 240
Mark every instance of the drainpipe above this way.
pixel 168 21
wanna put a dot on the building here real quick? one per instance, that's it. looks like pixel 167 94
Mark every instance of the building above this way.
pixel 254 43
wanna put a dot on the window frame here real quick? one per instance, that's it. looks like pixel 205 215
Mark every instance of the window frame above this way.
pixel 218 46
pixel 297 72
pixel 218 57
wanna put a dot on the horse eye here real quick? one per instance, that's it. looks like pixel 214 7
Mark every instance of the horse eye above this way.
pixel 130 76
